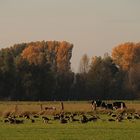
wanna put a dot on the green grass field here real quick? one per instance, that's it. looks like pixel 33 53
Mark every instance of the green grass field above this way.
pixel 102 129
pixel 72 131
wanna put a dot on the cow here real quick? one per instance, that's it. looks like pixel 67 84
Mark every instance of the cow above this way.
pixel 97 102
pixel 117 105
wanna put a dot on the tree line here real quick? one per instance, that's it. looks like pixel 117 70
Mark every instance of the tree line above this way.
pixel 42 71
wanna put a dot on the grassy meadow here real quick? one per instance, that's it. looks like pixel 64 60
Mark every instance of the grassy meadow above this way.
pixel 102 129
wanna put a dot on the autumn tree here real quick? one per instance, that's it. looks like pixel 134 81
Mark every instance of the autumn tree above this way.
pixel 42 71
pixel 36 70
pixel 57 54
pixel 64 55
pixel 126 55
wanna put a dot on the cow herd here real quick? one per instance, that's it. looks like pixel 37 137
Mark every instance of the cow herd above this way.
pixel 114 105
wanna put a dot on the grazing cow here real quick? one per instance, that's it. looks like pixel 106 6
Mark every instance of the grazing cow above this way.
pixel 118 105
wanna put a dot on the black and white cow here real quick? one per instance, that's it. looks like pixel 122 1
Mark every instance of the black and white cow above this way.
pixel 114 105
pixel 117 105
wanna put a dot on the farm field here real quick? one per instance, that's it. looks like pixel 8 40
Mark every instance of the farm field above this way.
pixel 102 129
pixel 71 131
pixel 69 106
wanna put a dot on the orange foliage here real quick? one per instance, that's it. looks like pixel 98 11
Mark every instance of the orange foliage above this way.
pixel 63 56
pixel 58 54
pixel 126 55
pixel 34 54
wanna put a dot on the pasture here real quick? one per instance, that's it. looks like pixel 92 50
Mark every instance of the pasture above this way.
pixel 102 129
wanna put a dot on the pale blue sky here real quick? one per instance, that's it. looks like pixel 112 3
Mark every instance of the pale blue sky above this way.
pixel 93 26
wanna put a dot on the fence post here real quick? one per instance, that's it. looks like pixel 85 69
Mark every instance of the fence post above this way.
pixel 62 106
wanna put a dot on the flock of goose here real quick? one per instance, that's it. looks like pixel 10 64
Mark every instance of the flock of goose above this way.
pixel 72 117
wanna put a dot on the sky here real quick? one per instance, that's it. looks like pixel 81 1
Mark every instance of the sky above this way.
pixel 93 26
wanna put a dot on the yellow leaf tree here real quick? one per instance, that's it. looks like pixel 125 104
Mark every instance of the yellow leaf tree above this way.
pixel 126 55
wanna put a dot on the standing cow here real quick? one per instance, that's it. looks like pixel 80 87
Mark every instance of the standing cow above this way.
pixel 118 105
